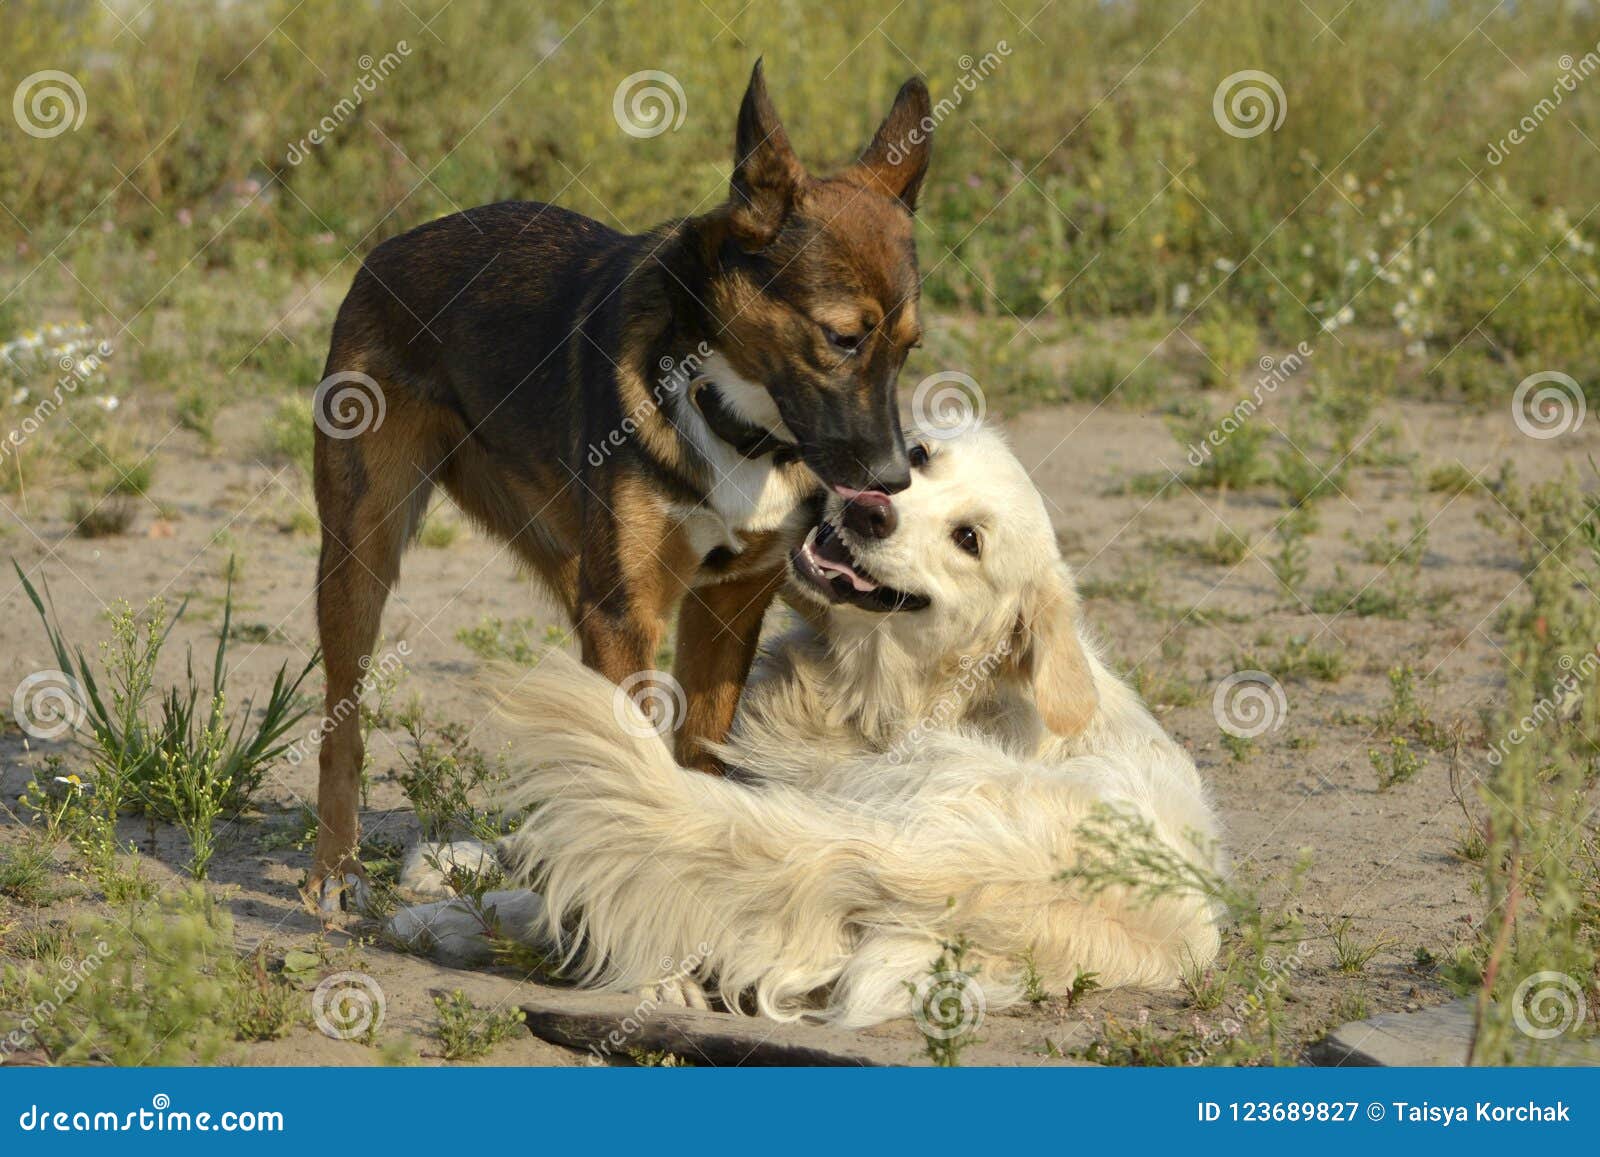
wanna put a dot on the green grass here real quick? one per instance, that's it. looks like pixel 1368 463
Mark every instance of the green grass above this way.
pixel 190 757
pixel 521 640
pixel 1085 177
pixel 1530 824
pixel 159 984
pixel 1351 952
pixel 1263 949
pixel 28 872
pixel 466 1032
pixel 446 778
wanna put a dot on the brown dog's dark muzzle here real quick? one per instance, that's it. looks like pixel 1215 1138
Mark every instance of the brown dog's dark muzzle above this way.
pixel 849 433
pixel 862 469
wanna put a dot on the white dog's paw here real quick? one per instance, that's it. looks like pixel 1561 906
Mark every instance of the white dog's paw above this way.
pixel 426 871
pixel 678 991
pixel 455 933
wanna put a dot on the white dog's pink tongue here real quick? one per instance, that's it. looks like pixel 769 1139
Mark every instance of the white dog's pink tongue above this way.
pixel 822 553
pixel 856 580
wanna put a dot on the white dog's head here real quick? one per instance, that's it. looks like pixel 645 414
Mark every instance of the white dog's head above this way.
pixel 964 569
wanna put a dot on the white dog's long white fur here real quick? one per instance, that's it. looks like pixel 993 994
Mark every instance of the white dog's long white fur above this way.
pixel 899 787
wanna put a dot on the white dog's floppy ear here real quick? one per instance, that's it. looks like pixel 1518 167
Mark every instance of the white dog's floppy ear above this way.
pixel 1052 659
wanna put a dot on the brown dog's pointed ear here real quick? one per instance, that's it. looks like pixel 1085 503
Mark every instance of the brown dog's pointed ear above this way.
pixel 766 173
pixel 1052 657
pixel 897 159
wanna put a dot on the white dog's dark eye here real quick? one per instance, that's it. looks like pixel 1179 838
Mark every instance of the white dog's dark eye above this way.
pixel 917 454
pixel 846 343
pixel 967 539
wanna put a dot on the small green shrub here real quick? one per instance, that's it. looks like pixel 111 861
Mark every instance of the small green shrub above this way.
pixel 162 987
pixel 466 1032
pixel 185 758
pixel 445 778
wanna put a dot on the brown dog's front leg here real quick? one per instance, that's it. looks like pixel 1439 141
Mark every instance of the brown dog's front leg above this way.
pixel 624 575
pixel 719 627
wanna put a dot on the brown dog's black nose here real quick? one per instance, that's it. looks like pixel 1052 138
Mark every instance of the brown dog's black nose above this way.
pixel 870 514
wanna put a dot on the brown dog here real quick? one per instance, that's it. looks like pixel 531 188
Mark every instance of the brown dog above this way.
pixel 642 418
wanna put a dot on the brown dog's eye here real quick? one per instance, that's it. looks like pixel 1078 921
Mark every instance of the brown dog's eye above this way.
pixel 917 454
pixel 846 343
pixel 967 539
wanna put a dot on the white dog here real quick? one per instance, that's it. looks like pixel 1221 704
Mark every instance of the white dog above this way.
pixel 909 769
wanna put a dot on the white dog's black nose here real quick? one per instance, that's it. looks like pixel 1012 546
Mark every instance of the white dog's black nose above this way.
pixel 870 514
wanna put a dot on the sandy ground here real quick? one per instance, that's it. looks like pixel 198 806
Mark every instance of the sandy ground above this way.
pixel 1385 860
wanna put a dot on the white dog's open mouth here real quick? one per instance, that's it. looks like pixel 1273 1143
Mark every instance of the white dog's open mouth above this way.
pixel 824 565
